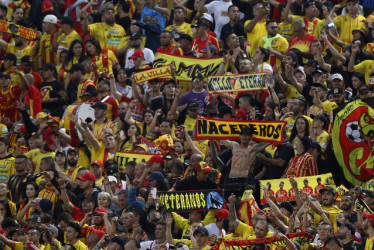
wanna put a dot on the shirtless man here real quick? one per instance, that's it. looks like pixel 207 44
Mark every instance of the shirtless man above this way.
pixel 243 156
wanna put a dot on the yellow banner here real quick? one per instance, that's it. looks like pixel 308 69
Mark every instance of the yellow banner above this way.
pixel 122 158
pixel 222 129
pixel 18 30
pixel 186 67
pixel 161 72
pixel 283 191
pixel 236 83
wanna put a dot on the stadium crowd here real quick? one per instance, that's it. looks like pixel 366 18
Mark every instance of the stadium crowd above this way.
pixel 72 117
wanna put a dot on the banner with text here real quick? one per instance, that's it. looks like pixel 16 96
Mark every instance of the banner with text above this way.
pixel 187 67
pixel 302 238
pixel 186 201
pixel 283 191
pixel 223 129
pixel 363 207
pixel 122 158
pixel 18 30
pixel 236 83
pixel 161 72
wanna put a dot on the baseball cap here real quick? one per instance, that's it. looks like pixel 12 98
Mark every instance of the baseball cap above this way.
pixel 27 59
pixel 193 105
pixel 112 179
pixel 198 76
pixel 368 193
pixel 222 213
pixel 308 4
pixel 207 17
pixel 135 36
pixel 348 225
pixel 67 20
pixel 5 75
pixel 87 177
pixel 168 81
pixel 99 210
pixel 100 105
pixel 77 67
pixel 118 240
pixel 364 89
pixel 87 198
pixel 46 205
pixel 329 189
pixel 362 29
pixel 155 159
pixel 53 229
pixel 240 113
pixel 157 175
pixel 98 162
pixel 72 149
pixel 201 22
pixel 201 230
pixel 338 91
pixel 299 70
pixel 203 166
pixel 369 217
pixel 185 37
pixel 46 6
pixel 48 66
pixel 137 53
pixel 336 76
pixel 317 71
pixel 10 56
pixel 41 115
pixel 311 62
pixel 50 19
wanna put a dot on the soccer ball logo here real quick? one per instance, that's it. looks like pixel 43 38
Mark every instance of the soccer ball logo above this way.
pixel 352 131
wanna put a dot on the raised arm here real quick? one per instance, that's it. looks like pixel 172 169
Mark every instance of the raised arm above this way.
pixel 286 14
pixel 174 105
pixel 113 88
pixel 351 64
pixel 190 143
pixel 128 118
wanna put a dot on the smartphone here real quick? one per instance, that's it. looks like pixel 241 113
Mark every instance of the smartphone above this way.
pixel 154 192
pixel 330 25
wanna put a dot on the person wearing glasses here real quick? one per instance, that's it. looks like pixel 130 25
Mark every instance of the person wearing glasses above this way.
pixel 275 43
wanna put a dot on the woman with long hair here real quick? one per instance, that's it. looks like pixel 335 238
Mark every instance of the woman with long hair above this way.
pixel 61 161
pixel 26 209
pixel 299 130
pixel 17 16
pixel 131 137
pixel 4 196
pixel 101 57
pixel 4 211
pixel 318 133
pixel 74 54
pixel 145 125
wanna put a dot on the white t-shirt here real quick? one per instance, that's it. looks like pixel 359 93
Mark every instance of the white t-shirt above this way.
pixel 125 91
pixel 213 229
pixel 148 57
pixel 219 10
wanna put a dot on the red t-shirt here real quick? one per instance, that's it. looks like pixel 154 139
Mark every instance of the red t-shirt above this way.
pixel 32 99
pixel 304 44
pixel 77 213
pixel 200 46
pixel 37 79
pixel 281 193
pixel 112 101
pixel 178 52
pixel 308 190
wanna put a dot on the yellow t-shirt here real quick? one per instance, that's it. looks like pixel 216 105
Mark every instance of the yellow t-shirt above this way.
pixel 17 246
pixel 49 247
pixel 190 123
pixel 257 32
pixel 285 29
pixel 3 130
pixel 105 67
pixel 367 68
pixel 292 92
pixel 369 243
pixel 109 37
pixel 323 140
pixel 333 212
pixel 101 154
pixel 79 245
pixel 48 193
pixel 280 44
pixel 46 50
pixel 64 41
pixel 183 28
pixel 99 129
pixel 36 156
pixel 345 24
pixel 6 169
pixel 27 51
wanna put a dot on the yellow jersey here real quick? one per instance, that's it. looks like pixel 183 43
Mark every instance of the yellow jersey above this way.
pixel 285 29
pixel 64 41
pixel 333 212
pixel 183 28
pixel 79 245
pixel 104 61
pixel 101 154
pixel 256 33
pixel 369 243
pixel 323 140
pixel 108 36
pixel 279 44
pixel 46 50
pixel 17 246
pixel 27 51
pixel 345 24
pixel 313 27
pixel 291 122
pixel 49 193
pixel 6 168
pixel 36 156
pixel 367 68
